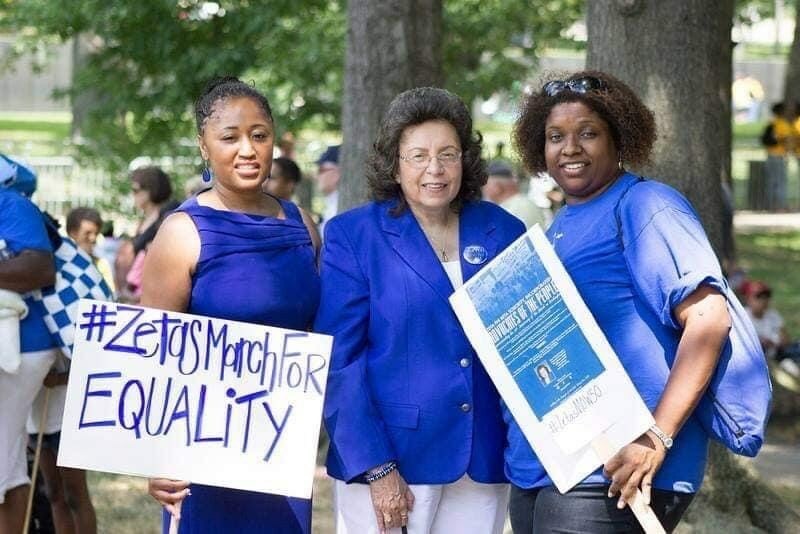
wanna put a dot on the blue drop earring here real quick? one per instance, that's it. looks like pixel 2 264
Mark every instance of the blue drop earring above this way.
pixel 208 174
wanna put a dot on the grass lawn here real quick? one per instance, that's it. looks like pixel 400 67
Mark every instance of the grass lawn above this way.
pixel 34 134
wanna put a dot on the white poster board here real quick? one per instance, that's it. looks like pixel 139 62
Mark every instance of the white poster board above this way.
pixel 165 394
pixel 549 360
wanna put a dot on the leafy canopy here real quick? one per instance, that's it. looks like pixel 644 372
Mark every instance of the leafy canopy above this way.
pixel 146 61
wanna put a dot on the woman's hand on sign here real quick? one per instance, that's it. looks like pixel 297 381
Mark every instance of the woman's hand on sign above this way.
pixel 392 499
pixel 170 493
pixel 634 467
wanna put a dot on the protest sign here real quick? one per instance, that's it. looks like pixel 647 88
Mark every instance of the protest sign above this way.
pixel 165 394
pixel 550 361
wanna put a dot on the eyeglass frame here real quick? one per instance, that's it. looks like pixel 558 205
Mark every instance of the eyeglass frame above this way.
pixel 429 158
pixel 577 86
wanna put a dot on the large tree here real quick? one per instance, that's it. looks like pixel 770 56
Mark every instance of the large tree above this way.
pixel 391 46
pixel 791 91
pixel 676 54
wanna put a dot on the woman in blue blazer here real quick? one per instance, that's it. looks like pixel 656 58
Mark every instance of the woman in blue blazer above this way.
pixel 416 428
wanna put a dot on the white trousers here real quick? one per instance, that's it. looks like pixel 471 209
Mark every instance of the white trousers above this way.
pixel 17 392
pixel 464 506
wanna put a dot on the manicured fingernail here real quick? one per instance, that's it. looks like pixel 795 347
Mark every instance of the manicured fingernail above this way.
pixel 620 504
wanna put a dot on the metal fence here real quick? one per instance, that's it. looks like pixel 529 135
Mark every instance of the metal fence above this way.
pixel 64 185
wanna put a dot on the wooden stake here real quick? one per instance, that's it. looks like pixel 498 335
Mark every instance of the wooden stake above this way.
pixel 644 514
pixel 29 508
pixel 175 523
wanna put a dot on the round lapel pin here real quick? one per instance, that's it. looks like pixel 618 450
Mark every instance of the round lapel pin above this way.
pixel 475 254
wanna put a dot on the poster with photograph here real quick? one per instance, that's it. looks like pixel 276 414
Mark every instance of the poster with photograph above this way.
pixel 550 361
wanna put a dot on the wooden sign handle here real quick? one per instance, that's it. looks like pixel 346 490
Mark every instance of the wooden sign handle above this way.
pixel 175 523
pixel 643 512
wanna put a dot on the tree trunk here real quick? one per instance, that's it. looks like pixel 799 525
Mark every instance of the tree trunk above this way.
pixel 82 101
pixel 392 45
pixel 676 54
pixel 791 92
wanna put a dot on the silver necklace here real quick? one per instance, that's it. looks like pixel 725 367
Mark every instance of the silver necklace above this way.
pixel 435 243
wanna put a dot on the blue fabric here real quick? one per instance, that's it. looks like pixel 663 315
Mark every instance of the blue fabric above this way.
pixel 22 226
pixel 632 294
pixel 76 278
pixel 404 383
pixel 260 270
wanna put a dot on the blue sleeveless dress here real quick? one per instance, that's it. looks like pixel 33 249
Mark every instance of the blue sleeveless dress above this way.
pixel 261 270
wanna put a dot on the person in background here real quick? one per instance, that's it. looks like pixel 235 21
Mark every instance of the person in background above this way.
pixel 770 326
pixel 284 178
pixel 107 246
pixel 83 227
pixel 28 265
pixel 640 259
pixel 779 139
pixel 327 179
pixel 234 252
pixel 286 146
pixel 194 185
pixel 152 193
pixel 502 187
pixel 416 431
pixel 66 488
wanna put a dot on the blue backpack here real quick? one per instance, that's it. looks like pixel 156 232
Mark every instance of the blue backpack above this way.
pixel 735 407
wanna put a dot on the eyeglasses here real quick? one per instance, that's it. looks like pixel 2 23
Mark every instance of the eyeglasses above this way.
pixel 421 160
pixel 578 85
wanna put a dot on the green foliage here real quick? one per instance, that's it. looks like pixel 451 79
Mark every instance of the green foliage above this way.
pixel 147 61
pixel 490 45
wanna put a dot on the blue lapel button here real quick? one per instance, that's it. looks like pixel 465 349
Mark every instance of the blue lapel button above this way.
pixel 475 254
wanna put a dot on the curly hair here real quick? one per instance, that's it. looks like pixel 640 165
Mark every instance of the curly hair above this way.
pixel 223 88
pixel 411 108
pixel 632 125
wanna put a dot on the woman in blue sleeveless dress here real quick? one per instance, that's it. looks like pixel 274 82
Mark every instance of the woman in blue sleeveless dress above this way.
pixel 236 253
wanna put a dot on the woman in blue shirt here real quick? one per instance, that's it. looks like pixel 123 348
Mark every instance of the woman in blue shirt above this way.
pixel 640 259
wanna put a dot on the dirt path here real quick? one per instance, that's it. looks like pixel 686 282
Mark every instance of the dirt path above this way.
pixel 779 464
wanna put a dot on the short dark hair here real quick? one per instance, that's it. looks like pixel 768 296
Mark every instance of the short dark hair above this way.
pixel 155 181
pixel 289 169
pixel 223 88
pixel 632 125
pixel 411 108
pixel 76 216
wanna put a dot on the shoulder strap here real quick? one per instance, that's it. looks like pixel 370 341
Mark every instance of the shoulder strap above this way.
pixel 291 210
pixel 618 208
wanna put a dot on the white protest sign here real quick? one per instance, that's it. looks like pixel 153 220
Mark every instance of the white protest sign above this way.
pixel 549 360
pixel 166 394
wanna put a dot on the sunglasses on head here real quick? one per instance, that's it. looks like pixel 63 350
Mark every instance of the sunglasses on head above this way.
pixel 579 85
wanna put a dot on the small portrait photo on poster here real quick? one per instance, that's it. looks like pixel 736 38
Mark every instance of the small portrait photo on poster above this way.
pixel 544 373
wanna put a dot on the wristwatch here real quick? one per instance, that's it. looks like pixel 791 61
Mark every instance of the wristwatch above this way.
pixel 663 436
